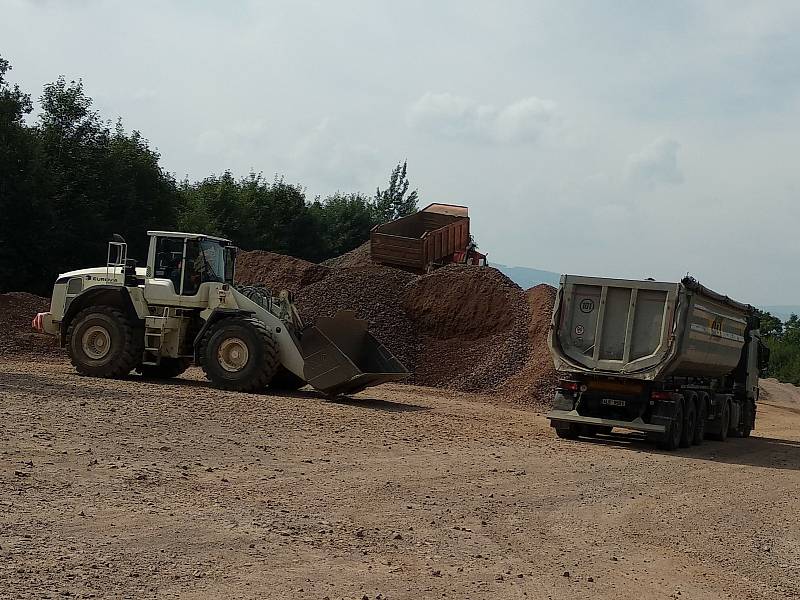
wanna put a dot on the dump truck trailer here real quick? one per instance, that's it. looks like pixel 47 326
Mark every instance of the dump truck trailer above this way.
pixel 436 235
pixel 676 361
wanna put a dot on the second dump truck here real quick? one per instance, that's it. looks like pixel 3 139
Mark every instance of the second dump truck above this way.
pixel 677 361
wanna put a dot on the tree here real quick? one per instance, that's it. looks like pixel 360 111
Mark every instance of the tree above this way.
pixel 344 221
pixel 771 326
pixel 392 203
pixel 24 191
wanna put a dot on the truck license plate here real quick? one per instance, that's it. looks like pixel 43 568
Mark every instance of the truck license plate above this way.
pixel 614 402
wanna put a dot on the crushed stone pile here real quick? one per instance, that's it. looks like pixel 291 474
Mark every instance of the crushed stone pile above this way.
pixel 360 257
pixel 374 294
pixel 276 271
pixel 472 323
pixel 534 383
pixel 17 310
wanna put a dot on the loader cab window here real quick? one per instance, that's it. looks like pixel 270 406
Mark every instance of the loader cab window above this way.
pixel 205 261
pixel 169 258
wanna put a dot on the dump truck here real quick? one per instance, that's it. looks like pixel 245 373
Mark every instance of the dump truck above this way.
pixel 676 361
pixel 435 236
pixel 184 308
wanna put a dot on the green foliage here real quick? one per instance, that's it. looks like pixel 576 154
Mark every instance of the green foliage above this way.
pixel 70 180
pixel 392 203
pixel 783 341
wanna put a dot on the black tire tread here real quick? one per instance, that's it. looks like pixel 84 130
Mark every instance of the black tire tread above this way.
pixel 265 371
pixel 129 358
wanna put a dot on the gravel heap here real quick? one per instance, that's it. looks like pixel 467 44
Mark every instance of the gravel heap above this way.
pixel 17 310
pixel 374 294
pixel 472 323
pixel 276 271
pixel 360 257
pixel 534 383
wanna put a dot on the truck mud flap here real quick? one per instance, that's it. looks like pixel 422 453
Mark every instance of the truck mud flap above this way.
pixel 572 416
pixel 342 357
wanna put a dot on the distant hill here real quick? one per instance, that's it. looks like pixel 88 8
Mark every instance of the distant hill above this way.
pixel 525 277
pixel 783 312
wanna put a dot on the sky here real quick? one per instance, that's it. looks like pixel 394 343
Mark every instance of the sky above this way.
pixel 628 138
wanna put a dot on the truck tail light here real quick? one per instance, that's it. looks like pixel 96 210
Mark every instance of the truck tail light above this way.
pixel 660 395
pixel 568 386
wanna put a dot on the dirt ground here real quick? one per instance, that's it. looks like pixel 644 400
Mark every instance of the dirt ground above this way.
pixel 132 489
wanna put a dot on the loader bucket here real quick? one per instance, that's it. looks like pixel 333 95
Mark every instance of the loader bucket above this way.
pixel 342 357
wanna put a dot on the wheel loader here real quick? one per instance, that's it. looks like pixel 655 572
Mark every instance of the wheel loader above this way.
pixel 184 308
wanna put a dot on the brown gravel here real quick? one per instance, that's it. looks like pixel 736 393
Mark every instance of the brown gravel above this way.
pixel 276 271
pixel 360 257
pixel 535 382
pixel 472 323
pixel 17 310
pixel 374 293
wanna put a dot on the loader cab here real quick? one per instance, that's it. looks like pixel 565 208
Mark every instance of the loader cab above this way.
pixel 179 263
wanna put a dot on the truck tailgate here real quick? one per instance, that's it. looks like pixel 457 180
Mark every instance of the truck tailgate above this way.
pixel 612 325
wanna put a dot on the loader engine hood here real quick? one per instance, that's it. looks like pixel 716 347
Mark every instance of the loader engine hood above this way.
pixel 100 274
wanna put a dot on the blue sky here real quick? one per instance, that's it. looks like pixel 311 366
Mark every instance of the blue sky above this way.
pixel 627 138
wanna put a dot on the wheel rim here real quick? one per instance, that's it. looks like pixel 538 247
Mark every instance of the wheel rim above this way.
pixel 96 342
pixel 233 354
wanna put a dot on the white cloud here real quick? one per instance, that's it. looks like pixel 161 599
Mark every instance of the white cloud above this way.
pixel 337 160
pixel 655 164
pixel 457 117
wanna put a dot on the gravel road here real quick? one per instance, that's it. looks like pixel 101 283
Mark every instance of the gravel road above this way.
pixel 131 489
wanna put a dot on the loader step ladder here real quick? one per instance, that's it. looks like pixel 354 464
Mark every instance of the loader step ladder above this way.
pixel 154 328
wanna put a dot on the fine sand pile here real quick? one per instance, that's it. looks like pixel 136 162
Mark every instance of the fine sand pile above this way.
pixel 17 310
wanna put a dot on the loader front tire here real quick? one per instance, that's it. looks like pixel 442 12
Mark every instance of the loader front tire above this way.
pixel 102 342
pixel 239 354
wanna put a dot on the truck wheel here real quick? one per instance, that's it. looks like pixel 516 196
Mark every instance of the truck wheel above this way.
pixel 166 369
pixel 748 420
pixel 239 354
pixel 671 438
pixel 102 342
pixel 702 417
pixel 724 425
pixel 689 423
pixel 285 380
pixel 566 431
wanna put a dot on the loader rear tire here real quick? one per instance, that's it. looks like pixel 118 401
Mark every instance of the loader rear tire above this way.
pixel 286 381
pixel 239 354
pixel 101 341
pixel 167 369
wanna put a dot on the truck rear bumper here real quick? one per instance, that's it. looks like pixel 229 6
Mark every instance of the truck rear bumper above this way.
pixel 572 416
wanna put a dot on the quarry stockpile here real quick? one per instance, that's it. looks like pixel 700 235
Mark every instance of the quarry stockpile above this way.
pixel 472 323
pixel 460 327
pixel 17 309
pixel 277 271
